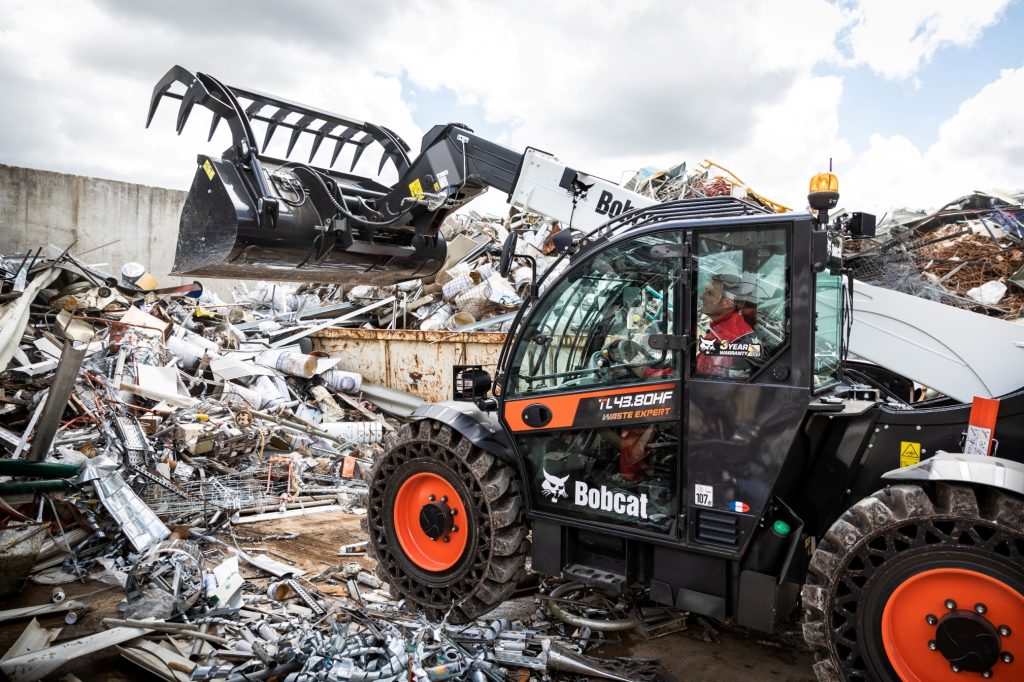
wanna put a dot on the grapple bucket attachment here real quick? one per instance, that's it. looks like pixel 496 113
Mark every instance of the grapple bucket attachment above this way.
pixel 220 236
pixel 249 216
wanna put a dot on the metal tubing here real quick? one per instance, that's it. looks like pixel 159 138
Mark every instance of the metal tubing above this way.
pixel 60 390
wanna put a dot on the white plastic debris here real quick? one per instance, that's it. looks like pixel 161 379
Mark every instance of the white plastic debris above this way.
pixel 989 293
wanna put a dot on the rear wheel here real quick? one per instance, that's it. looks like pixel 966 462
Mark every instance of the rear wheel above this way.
pixel 920 587
pixel 446 523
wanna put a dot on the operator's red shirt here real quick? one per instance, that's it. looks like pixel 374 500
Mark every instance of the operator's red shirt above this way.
pixel 729 328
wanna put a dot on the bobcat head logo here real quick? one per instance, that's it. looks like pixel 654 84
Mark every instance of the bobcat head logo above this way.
pixel 707 345
pixel 554 487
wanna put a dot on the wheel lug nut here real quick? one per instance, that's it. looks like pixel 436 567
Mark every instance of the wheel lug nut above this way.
pixel 444 498
pixel 987 674
pixel 447 539
pixel 955 667
pixel 1004 630
pixel 455 511
pixel 950 604
pixel 933 645
pixel 432 498
pixel 930 619
pixel 980 608
pixel 1007 657
pixel 455 529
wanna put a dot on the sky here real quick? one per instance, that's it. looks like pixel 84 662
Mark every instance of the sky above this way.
pixel 916 102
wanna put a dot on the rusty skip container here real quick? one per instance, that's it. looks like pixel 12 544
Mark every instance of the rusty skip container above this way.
pixel 412 360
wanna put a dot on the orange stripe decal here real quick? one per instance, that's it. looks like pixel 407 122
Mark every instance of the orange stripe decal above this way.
pixel 564 407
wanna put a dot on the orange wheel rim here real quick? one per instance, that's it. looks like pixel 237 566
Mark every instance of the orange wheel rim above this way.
pixel 428 505
pixel 917 610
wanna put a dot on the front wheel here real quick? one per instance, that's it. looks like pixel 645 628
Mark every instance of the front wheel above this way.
pixel 446 523
pixel 920 587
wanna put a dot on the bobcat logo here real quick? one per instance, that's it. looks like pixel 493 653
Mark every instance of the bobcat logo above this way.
pixel 554 487
pixel 707 345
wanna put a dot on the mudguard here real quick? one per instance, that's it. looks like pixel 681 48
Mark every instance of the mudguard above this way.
pixel 480 427
pixel 951 467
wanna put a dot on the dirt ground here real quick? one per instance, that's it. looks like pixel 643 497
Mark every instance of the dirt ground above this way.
pixel 688 656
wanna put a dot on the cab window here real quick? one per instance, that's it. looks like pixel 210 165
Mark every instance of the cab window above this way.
pixel 742 300
pixel 593 330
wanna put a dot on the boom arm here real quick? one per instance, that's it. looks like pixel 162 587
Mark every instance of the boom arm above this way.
pixel 251 216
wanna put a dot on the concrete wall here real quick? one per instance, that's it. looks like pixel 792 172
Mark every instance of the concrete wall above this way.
pixel 40 207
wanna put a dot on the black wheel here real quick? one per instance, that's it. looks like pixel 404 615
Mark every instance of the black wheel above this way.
pixel 445 521
pixel 920 586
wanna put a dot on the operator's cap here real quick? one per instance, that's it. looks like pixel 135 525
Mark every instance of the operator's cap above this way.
pixel 738 288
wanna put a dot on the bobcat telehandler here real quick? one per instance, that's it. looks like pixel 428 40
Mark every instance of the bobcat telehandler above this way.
pixel 736 473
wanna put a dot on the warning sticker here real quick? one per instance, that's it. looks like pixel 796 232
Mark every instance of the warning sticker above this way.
pixel 208 167
pixel 416 188
pixel 910 453
pixel 442 179
pixel 978 440
pixel 704 495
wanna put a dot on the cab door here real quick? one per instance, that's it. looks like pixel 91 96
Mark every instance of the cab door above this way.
pixel 592 394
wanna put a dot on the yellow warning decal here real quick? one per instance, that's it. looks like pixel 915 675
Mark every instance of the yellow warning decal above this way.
pixel 208 167
pixel 437 186
pixel 416 188
pixel 910 453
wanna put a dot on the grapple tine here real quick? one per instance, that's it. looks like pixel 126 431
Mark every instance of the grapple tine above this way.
pixel 384 158
pixel 272 124
pixel 175 74
pixel 362 144
pixel 213 126
pixel 300 126
pixel 254 108
pixel 342 139
pixel 320 135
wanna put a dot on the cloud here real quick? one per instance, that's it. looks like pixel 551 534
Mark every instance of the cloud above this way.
pixel 979 147
pixel 607 86
pixel 895 38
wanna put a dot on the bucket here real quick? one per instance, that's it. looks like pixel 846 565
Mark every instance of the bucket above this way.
pixel 340 380
pixel 457 286
pixel 296 364
pixel 437 319
pixel 459 319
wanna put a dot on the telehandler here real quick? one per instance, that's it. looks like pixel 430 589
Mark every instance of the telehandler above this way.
pixel 674 407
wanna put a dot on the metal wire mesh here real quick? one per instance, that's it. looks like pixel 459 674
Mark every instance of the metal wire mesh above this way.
pixel 229 492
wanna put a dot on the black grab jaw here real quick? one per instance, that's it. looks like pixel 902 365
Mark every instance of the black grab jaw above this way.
pixel 240 107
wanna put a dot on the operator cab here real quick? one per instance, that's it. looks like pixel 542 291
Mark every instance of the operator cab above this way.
pixel 653 390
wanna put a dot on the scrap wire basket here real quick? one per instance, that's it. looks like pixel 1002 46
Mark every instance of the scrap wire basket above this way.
pixel 228 493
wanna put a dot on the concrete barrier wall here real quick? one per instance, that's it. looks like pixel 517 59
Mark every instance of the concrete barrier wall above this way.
pixel 40 207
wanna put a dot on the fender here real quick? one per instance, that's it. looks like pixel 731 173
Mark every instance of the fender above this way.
pixel 481 428
pixel 954 467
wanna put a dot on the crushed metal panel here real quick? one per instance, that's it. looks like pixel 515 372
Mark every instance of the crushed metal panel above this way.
pixel 138 522
pixel 33 638
pixel 38 664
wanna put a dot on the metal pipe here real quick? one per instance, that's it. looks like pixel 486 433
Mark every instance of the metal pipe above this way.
pixel 607 625
pixel 57 399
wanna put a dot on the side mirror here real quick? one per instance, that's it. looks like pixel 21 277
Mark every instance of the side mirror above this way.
pixel 508 252
pixel 562 241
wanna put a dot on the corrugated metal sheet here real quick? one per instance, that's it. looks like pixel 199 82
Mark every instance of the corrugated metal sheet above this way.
pixel 410 360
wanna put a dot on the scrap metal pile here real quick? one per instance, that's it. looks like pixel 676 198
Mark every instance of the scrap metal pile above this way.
pixel 969 253
pixel 142 428
pixel 468 293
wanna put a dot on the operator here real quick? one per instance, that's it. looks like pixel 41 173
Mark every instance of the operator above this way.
pixel 729 345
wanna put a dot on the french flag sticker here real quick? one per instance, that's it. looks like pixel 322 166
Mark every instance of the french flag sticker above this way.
pixel 738 506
